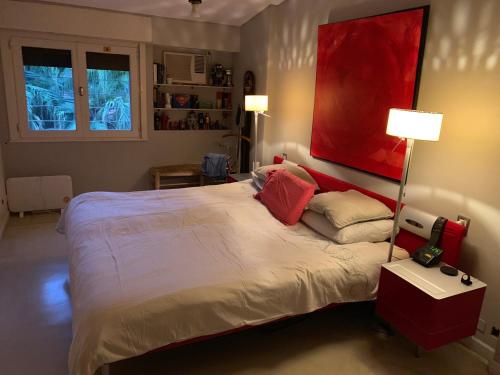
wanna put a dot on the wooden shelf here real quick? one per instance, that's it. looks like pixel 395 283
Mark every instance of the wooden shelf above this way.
pixel 192 130
pixel 194 86
pixel 194 109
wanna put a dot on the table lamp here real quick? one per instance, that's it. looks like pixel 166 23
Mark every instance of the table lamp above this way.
pixel 410 125
pixel 257 104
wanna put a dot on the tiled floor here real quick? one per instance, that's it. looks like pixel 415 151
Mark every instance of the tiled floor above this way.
pixel 35 329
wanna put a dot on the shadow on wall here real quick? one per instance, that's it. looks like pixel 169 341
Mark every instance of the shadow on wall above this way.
pixel 459 77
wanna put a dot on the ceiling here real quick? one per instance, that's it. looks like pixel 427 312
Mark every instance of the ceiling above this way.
pixel 228 12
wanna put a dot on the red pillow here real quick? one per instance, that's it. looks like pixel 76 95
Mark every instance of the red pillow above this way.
pixel 285 195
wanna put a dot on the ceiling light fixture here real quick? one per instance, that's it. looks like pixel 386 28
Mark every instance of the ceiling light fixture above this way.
pixel 195 5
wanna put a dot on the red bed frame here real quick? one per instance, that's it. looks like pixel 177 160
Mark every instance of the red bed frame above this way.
pixel 451 242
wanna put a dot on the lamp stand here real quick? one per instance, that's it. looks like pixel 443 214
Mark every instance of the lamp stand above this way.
pixel 404 177
pixel 256 120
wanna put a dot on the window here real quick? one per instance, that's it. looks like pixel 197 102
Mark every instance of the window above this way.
pixel 50 100
pixel 75 91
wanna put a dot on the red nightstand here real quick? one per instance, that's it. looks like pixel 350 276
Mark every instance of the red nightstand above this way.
pixel 428 307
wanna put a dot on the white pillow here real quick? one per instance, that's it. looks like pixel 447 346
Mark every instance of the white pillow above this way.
pixel 293 168
pixel 348 207
pixel 257 181
pixel 261 172
pixel 369 231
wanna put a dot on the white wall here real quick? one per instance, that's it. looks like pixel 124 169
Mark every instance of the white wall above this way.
pixel 201 35
pixel 59 19
pixel 460 76
pixel 113 166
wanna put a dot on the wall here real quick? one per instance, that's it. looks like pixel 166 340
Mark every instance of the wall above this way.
pixel 253 56
pixel 4 212
pixel 460 78
pixel 112 166
pixel 61 19
pixel 495 364
pixel 203 35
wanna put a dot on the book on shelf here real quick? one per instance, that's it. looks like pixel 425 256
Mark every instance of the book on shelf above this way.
pixel 158 74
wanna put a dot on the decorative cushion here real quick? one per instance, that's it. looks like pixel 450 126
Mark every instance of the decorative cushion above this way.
pixel 368 231
pixel 293 168
pixel 348 207
pixel 285 196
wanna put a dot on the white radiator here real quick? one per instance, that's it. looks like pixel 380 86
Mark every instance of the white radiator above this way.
pixel 38 193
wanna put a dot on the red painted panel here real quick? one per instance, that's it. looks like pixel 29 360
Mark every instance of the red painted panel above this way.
pixel 365 67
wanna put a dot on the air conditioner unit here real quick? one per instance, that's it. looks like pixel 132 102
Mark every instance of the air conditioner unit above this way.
pixel 186 67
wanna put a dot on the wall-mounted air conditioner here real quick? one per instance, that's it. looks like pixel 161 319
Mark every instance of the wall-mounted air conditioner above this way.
pixel 186 67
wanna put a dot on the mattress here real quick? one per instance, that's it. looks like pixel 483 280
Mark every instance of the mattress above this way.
pixel 152 268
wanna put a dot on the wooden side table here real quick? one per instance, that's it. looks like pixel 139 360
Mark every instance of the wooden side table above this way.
pixel 427 306
pixel 175 176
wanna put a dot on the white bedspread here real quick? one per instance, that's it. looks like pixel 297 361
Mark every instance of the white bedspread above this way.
pixel 152 268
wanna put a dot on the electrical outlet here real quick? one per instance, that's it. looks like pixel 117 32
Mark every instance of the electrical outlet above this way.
pixel 465 221
pixel 481 326
pixel 495 331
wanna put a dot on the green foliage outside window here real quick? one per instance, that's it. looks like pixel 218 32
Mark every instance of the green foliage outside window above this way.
pixel 51 103
pixel 109 99
pixel 50 98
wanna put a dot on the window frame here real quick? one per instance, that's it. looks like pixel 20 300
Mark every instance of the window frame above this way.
pixel 83 48
pixel 24 130
pixel 13 69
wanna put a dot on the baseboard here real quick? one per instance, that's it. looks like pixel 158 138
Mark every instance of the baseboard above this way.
pixel 480 348
pixel 494 368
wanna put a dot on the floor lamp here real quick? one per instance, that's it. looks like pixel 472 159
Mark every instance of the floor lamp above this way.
pixel 410 125
pixel 257 104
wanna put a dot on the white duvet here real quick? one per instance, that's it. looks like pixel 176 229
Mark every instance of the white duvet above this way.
pixel 152 268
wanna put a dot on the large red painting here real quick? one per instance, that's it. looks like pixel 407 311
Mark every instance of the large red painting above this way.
pixel 365 67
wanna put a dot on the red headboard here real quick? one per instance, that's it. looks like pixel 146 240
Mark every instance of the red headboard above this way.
pixel 451 241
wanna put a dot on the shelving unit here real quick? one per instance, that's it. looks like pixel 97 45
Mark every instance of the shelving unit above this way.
pixel 194 109
pixel 227 88
pixel 216 112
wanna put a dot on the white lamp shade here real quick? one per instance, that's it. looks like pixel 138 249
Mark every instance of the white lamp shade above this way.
pixel 424 126
pixel 256 103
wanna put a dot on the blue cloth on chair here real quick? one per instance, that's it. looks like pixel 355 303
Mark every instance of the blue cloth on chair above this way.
pixel 215 165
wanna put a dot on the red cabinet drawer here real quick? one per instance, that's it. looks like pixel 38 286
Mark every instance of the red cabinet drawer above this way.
pixel 427 321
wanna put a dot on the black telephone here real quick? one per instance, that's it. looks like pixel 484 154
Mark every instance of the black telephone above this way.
pixel 430 255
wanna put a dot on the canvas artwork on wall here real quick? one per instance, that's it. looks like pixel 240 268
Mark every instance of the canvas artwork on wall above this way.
pixel 365 67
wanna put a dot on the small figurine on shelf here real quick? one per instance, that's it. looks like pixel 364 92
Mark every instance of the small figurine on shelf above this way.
pixel 194 101
pixel 191 120
pixel 164 121
pixel 155 97
pixel 201 121
pixel 207 121
pixel 168 101
pixel 218 75
pixel 157 121
pixel 229 78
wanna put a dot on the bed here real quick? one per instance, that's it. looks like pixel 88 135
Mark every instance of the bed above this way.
pixel 158 268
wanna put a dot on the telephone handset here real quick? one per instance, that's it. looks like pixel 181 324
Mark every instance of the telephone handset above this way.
pixel 430 255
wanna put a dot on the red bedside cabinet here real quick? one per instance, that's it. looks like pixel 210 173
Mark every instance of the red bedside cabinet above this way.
pixel 427 306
